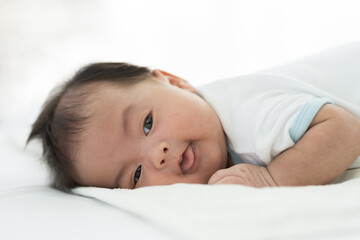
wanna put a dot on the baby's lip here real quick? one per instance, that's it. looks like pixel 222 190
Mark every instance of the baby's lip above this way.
pixel 189 159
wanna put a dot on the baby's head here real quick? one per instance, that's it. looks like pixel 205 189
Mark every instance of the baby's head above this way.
pixel 119 125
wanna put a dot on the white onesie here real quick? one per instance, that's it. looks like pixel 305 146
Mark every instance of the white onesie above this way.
pixel 266 113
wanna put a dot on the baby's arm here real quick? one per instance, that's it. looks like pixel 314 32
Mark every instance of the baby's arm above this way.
pixel 326 150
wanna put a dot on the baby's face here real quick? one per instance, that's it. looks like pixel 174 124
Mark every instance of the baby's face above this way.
pixel 153 133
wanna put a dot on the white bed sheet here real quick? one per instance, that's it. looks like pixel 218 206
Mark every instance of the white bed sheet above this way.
pixel 237 212
pixel 39 212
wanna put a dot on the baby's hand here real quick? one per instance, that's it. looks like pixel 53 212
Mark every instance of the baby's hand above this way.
pixel 244 174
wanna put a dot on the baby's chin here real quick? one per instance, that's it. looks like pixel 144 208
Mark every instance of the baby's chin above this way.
pixel 205 179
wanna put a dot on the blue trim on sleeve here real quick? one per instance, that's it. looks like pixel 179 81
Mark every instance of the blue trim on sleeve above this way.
pixel 304 118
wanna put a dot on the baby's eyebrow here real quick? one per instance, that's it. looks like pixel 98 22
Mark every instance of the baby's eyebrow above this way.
pixel 117 179
pixel 125 124
pixel 125 117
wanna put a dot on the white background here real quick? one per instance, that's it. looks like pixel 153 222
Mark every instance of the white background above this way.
pixel 43 42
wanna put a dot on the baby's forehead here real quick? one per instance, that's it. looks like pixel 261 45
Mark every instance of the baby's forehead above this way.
pixel 103 96
pixel 110 89
pixel 80 102
pixel 97 91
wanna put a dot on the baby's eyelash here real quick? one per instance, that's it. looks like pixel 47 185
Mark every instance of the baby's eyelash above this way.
pixel 137 175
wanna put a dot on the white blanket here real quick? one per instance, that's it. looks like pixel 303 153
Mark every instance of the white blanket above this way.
pixel 194 211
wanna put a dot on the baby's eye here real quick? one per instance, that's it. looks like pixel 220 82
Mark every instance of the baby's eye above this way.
pixel 147 124
pixel 137 174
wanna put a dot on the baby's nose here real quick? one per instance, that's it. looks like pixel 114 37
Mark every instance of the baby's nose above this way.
pixel 159 155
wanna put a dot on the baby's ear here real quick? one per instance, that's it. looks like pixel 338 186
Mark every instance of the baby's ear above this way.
pixel 174 80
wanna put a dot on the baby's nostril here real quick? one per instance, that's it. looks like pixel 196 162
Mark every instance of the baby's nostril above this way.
pixel 165 150
pixel 162 162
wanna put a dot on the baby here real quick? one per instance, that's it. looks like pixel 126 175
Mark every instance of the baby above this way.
pixel 118 125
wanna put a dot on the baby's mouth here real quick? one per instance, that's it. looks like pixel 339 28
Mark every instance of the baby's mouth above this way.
pixel 188 159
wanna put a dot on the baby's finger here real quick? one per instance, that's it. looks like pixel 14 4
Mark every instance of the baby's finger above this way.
pixel 230 180
pixel 218 175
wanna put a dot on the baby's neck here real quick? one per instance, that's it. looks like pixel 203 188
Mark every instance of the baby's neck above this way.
pixel 229 162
